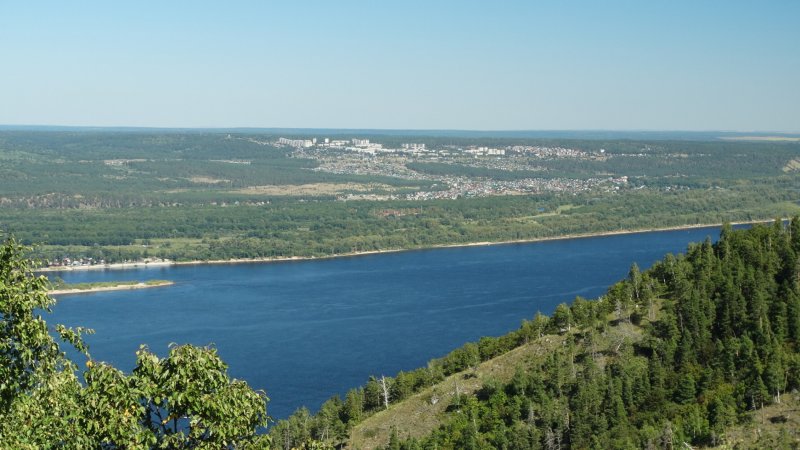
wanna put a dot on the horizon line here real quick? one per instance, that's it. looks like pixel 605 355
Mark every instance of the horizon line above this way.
pixel 424 130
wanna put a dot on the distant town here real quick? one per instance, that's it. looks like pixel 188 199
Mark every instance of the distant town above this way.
pixel 356 156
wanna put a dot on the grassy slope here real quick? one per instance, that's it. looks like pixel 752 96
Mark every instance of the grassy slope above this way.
pixel 418 417
pixel 763 427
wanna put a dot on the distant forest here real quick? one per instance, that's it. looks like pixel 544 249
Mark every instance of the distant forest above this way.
pixel 180 195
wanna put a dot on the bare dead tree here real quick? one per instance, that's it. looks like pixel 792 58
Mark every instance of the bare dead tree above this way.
pixel 531 414
pixel 457 393
pixel 666 437
pixel 385 387
pixel 550 440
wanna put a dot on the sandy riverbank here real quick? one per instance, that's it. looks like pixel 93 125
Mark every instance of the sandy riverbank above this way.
pixel 118 287
pixel 138 265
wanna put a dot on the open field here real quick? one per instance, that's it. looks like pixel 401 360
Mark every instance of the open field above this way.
pixel 312 189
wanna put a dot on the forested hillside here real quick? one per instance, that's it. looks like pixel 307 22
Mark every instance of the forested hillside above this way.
pixel 677 356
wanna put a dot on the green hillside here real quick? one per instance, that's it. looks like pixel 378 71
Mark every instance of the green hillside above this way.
pixel 698 351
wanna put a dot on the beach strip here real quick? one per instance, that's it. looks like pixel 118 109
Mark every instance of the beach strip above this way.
pixel 111 287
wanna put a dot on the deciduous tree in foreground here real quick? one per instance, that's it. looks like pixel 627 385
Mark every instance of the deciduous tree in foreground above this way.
pixel 183 401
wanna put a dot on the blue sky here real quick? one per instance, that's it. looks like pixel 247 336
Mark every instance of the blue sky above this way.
pixel 512 65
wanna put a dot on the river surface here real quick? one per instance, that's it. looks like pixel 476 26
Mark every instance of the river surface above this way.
pixel 306 330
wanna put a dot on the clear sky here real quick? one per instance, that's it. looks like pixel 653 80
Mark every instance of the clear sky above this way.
pixel 472 65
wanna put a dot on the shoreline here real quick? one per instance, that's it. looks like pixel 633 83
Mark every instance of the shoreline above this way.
pixel 167 263
pixel 119 287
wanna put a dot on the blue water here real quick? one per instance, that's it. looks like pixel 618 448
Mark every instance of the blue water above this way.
pixel 304 331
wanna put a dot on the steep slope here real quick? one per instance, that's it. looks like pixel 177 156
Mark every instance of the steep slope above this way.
pixel 427 410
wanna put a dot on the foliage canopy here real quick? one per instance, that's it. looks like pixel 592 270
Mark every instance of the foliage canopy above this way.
pixel 183 401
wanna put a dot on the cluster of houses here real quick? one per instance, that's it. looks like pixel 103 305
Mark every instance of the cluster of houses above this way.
pixel 78 262
pixel 352 145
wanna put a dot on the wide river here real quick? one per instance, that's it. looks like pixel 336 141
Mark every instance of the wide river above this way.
pixel 304 331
